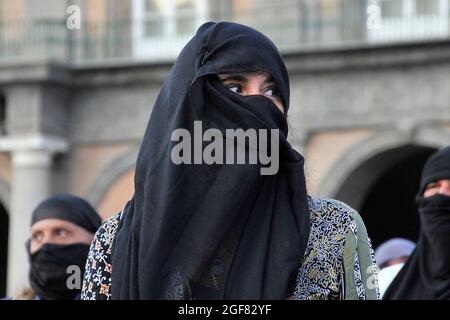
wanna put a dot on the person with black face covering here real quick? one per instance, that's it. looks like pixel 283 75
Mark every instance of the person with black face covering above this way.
pixel 426 274
pixel 62 227
pixel 219 229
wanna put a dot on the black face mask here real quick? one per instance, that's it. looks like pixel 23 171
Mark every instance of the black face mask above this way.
pixel 426 274
pixel 435 222
pixel 434 208
pixel 50 272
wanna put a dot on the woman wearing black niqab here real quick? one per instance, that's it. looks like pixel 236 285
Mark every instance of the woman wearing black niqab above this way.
pixel 426 274
pixel 220 231
pixel 62 227
pixel 202 225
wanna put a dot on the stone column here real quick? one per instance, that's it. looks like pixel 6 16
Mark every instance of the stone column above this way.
pixel 31 172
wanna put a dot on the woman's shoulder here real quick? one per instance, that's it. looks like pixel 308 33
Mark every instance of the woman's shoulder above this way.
pixel 322 274
pixel 104 236
pixel 343 216
pixel 97 274
pixel 108 228
pixel 329 208
pixel 338 247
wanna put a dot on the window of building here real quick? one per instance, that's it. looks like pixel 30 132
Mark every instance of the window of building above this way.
pixel 391 8
pixel 153 18
pixel 169 18
pixel 427 7
pixel 162 27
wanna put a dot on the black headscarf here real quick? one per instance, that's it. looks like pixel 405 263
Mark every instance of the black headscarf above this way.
pixel 69 208
pixel 213 231
pixel 426 274
pixel 53 268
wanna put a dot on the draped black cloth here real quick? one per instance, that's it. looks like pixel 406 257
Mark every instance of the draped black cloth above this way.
pixel 219 231
pixel 48 274
pixel 69 208
pixel 426 274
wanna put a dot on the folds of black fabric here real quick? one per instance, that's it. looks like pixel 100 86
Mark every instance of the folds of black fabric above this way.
pixel 426 274
pixel 220 231
pixel 69 208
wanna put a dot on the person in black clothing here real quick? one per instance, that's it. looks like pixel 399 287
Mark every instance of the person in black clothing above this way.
pixel 62 227
pixel 426 274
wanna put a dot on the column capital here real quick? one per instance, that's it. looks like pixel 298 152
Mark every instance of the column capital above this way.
pixel 33 142
pixel 31 158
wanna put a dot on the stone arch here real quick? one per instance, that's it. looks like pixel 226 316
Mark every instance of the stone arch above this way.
pixel 362 152
pixel 110 175
pixel 371 172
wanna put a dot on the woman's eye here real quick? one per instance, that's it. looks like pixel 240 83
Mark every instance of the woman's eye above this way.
pixel 271 92
pixel 234 88
pixel 432 186
pixel 37 236
pixel 61 233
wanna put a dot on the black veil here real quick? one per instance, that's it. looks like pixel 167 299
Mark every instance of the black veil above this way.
pixel 220 231
pixel 426 274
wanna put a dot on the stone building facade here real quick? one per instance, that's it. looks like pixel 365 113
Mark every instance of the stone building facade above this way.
pixel 365 119
pixel 365 115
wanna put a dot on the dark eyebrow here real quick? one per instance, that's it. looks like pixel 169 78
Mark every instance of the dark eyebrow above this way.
pixel 269 80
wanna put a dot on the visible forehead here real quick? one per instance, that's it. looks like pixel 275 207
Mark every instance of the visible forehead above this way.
pixel 446 181
pixel 46 224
